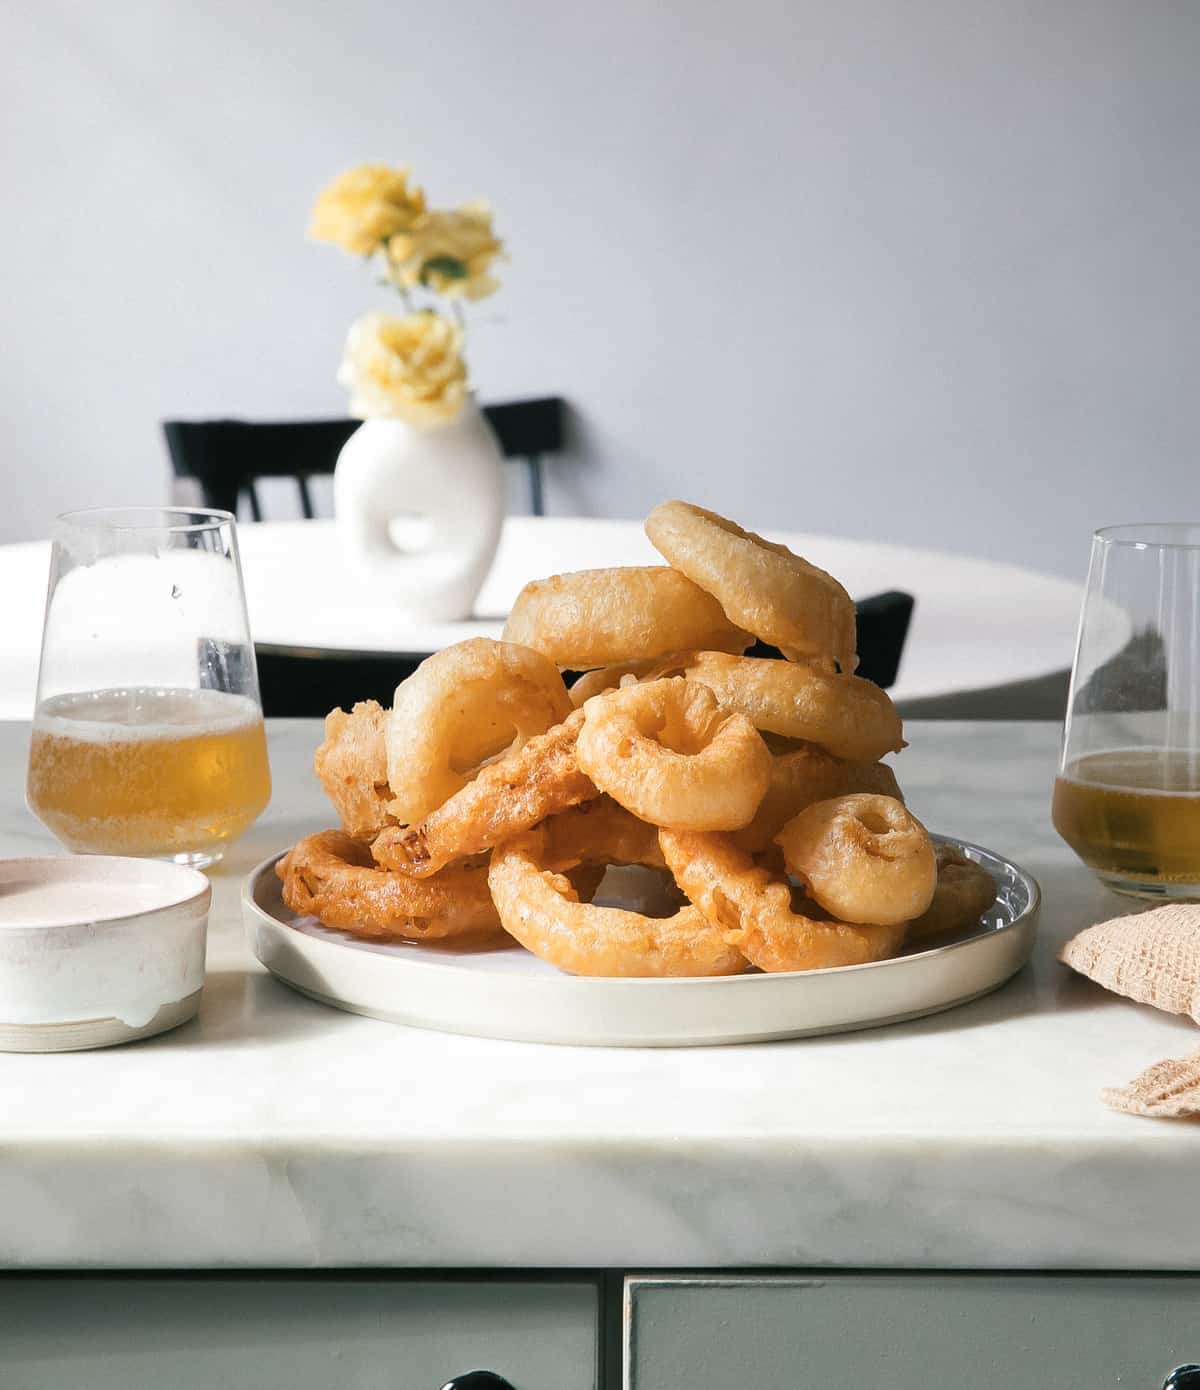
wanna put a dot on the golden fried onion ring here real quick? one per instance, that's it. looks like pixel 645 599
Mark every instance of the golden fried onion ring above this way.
pixel 351 764
pixel 965 890
pixel 669 753
pixel 610 677
pixel 333 878
pixel 753 908
pixel 460 707
pixel 761 585
pixel 538 780
pixel 538 905
pixel 594 617
pixel 862 858
pixel 802 774
pixel 850 717
pixel 600 832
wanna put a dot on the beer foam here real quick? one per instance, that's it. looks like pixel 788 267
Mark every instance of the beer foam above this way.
pixel 143 714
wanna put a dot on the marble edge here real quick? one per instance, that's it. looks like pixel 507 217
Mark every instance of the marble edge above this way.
pixel 1020 1143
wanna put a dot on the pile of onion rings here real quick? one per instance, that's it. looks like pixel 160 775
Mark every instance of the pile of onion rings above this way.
pixel 490 801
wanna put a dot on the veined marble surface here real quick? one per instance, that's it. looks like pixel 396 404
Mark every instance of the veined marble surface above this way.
pixel 273 1131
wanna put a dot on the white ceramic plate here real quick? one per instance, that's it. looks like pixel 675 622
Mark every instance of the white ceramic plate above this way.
pixel 507 993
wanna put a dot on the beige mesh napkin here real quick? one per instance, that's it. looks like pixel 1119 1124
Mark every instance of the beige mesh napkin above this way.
pixel 1168 1090
pixel 1153 957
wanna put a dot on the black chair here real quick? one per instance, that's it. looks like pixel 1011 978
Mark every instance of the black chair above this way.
pixel 227 457
pixel 883 623
pixel 301 684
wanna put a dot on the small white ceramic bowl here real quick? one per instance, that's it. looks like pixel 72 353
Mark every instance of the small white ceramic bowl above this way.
pixel 96 950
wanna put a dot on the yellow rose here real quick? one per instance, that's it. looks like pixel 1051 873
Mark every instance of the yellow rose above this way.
pixel 363 207
pixel 404 368
pixel 450 252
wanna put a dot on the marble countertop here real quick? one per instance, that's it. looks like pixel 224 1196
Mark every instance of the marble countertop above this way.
pixel 273 1131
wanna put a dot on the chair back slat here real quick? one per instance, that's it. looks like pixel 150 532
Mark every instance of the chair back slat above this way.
pixel 537 500
pixel 306 505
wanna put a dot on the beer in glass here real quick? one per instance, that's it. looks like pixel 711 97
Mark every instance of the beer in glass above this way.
pixel 148 733
pixel 1127 797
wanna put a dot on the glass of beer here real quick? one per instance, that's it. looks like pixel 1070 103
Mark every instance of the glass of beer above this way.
pixel 1127 798
pixel 148 731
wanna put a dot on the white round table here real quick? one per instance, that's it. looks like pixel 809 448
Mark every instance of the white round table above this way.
pixel 977 624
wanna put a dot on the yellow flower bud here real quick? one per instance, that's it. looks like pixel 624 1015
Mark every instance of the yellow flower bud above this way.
pixel 407 368
pixel 365 206
pixel 449 252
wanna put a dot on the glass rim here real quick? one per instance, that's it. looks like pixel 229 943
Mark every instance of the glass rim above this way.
pixel 97 518
pixel 1149 535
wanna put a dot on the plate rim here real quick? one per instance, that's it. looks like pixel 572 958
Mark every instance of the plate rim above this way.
pixel 1030 912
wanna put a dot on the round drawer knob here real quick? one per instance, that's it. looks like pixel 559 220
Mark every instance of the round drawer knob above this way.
pixel 1183 1378
pixel 478 1380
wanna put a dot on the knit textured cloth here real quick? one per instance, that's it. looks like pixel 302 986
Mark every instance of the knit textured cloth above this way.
pixel 1168 1090
pixel 1153 957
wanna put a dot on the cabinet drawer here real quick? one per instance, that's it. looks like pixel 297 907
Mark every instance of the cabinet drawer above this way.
pixel 910 1332
pixel 129 1332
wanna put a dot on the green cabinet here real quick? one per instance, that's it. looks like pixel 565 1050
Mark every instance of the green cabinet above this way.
pixel 280 1332
pixel 909 1332
pixel 392 1331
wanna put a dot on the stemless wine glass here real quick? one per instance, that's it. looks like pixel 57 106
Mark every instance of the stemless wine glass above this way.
pixel 148 732
pixel 1127 798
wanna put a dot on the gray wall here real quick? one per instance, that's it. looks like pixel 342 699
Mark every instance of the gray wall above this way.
pixel 920 271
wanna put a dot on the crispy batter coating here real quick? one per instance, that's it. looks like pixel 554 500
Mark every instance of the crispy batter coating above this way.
pixel 538 780
pixel 668 752
pixel 761 585
pixel 863 858
pixel 463 705
pixel 850 717
pixel 802 773
pixel 600 832
pixel 352 766
pixel 539 906
pixel 333 878
pixel 965 890
pixel 754 909
pixel 610 677
pixel 593 617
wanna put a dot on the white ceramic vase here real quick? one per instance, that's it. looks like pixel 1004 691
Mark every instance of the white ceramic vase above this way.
pixel 446 486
